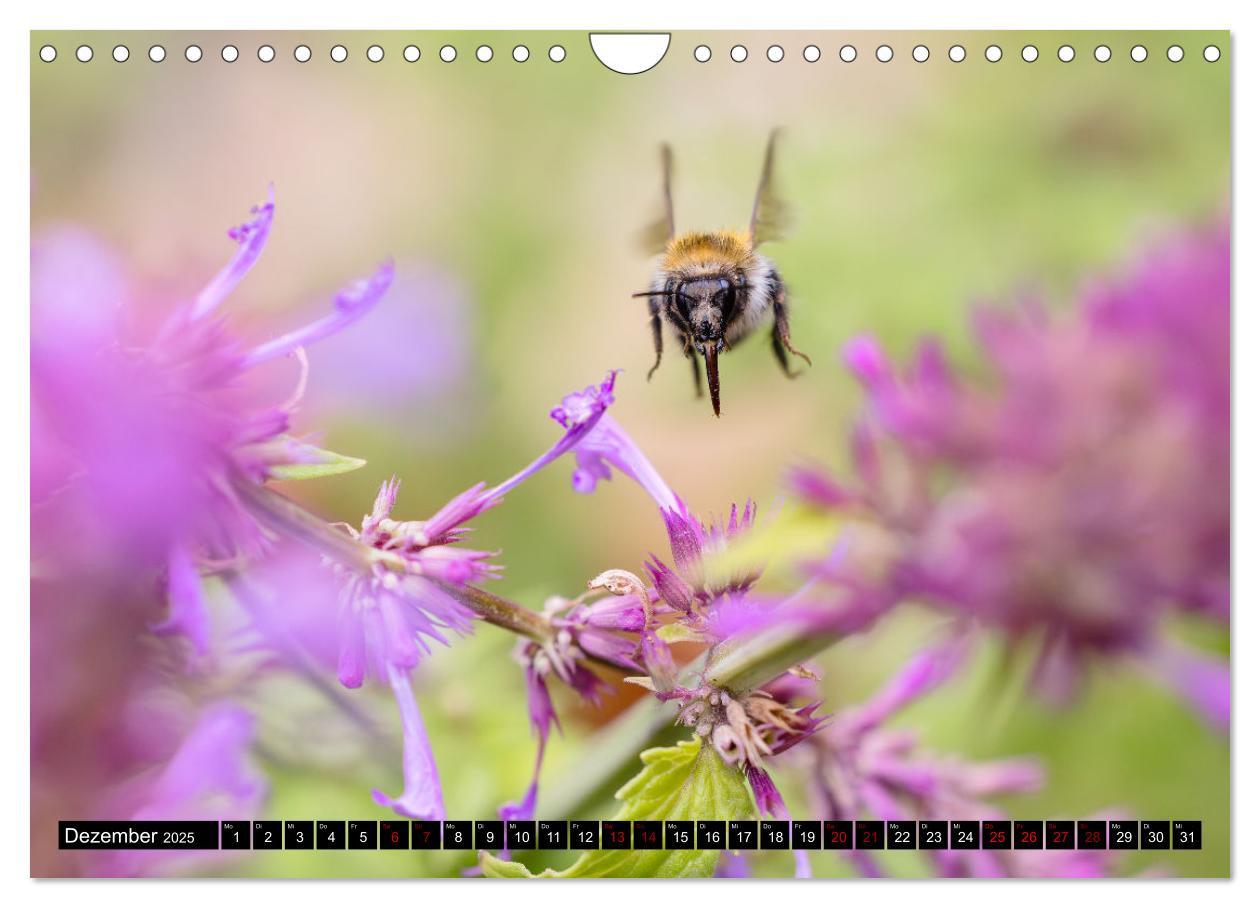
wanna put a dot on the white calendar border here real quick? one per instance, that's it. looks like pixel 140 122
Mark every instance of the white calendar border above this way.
pixel 635 15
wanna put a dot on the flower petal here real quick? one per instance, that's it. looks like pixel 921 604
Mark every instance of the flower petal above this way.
pixel 250 239
pixel 349 305
pixel 421 798
pixel 188 615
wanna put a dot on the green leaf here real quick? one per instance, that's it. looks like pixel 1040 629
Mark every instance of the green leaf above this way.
pixel 303 461
pixel 688 781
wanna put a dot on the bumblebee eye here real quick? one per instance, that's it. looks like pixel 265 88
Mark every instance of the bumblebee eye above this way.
pixel 682 299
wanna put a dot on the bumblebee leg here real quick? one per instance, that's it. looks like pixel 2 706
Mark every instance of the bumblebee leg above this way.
pixel 781 339
pixel 656 336
pixel 695 371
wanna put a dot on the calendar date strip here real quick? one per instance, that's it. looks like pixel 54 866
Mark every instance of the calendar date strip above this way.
pixel 588 835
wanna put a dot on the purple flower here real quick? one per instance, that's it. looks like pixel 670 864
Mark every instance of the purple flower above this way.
pixel 397 583
pixel 1079 494
pixel 542 715
pixel 862 767
pixel 607 446
pixel 208 777
pixel 147 439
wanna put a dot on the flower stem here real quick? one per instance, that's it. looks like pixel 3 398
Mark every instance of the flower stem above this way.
pixel 502 612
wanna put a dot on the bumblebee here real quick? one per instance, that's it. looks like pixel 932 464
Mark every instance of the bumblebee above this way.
pixel 715 288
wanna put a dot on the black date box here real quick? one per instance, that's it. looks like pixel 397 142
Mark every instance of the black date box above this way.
pixel 680 835
pixel 426 835
pixel 1122 835
pixel 1029 835
pixel 553 834
pixel 299 834
pixel 522 834
pixel 933 835
pixel 267 835
pixel 1187 835
pixel 457 835
pixel 361 835
pixel 584 834
pixel 394 834
pixel 995 834
pixel 1154 834
pixel 649 835
pixel 869 834
pixel 964 835
pixel 234 834
pixel 742 834
pixel 901 835
pixel 1060 835
pixel 330 834
pixel 711 835
pixel 614 834
pixel 806 835
pixel 1091 835
pixel 776 835
pixel 488 835
pixel 837 834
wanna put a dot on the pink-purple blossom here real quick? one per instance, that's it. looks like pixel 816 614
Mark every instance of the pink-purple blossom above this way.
pixel 145 438
pixel 1078 492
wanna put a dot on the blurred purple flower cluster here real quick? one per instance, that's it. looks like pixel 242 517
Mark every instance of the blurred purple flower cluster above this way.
pixel 1077 494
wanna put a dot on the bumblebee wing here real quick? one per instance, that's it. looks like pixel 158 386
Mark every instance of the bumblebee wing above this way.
pixel 770 214
pixel 656 236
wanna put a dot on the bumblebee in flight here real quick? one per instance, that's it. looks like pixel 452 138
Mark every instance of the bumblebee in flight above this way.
pixel 715 288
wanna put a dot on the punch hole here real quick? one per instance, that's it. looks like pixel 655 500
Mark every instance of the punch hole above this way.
pixel 485 53
pixel 48 53
pixel 774 53
pixel 1138 53
pixel 157 53
pixel 1067 53
pixel 1176 54
pixel 958 53
pixel 739 53
pixel 266 53
pixel 339 54
pixel 121 53
pixel 702 53
pixel 920 53
pixel 993 53
pixel 1102 53
pixel 811 53
pixel 411 53
pixel 1211 53
pixel 883 53
pixel 375 53
pixel 1029 53
pixel 848 53
pixel 556 53
pixel 447 53
pixel 83 53
pixel 520 53
pixel 192 53
pixel 302 53
pixel 229 53
pixel 626 53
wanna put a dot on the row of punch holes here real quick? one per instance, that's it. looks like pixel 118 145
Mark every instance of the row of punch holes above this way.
pixel 302 53
pixel 775 53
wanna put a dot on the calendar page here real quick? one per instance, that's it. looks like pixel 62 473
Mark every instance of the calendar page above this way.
pixel 793 454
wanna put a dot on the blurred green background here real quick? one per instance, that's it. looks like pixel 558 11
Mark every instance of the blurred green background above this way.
pixel 512 196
